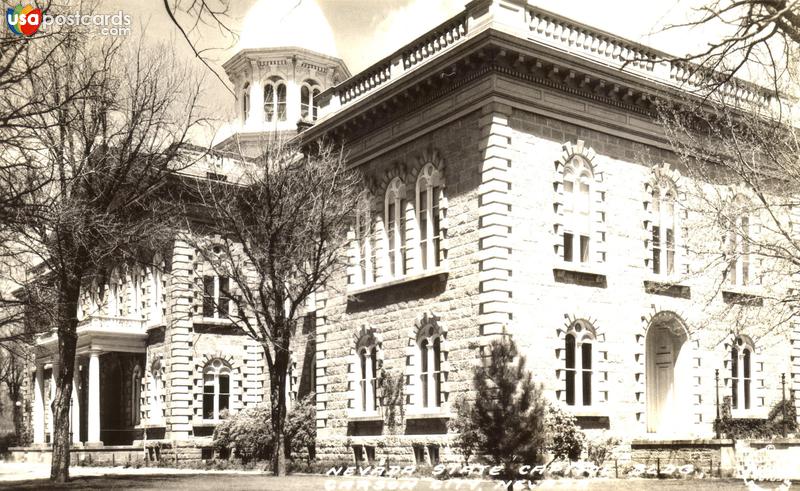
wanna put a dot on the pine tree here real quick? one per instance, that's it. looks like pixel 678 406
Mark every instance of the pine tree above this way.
pixel 506 420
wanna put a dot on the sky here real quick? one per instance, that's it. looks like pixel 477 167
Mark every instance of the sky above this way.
pixel 367 30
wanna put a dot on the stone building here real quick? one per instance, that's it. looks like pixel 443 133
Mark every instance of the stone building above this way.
pixel 519 181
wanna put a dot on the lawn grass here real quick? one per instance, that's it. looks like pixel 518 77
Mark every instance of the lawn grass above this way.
pixel 220 482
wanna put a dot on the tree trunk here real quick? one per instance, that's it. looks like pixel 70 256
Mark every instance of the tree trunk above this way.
pixel 67 341
pixel 277 379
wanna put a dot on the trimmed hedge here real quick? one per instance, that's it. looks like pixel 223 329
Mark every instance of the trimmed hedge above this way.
pixel 746 428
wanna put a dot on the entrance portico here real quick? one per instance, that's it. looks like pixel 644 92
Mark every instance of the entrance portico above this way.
pixel 108 354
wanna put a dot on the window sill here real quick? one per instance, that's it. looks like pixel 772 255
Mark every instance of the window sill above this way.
pixel 742 295
pixel 437 413
pixel 356 291
pixel 587 274
pixel 755 413
pixel 587 412
pixel 364 417
pixel 667 286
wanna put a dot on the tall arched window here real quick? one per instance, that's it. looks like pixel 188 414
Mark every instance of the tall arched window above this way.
pixel 664 229
pixel 367 378
pixel 216 389
pixel 116 300
pixel 741 373
pixel 395 220
pixel 274 100
pixel 309 92
pixel 157 292
pixel 269 102
pixel 364 246
pixel 245 102
pixel 578 344
pixel 577 210
pixel 136 396
pixel 429 194
pixel 429 343
pixel 155 393
pixel 739 237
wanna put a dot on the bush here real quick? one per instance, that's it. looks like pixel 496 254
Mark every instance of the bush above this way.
pixel 7 440
pixel 469 438
pixel 301 428
pixel 247 435
pixel 600 448
pixel 566 439
pixel 506 421
pixel 771 427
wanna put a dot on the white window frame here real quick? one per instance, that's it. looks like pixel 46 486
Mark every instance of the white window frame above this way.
pixel 396 266
pixel 216 368
pixel 665 198
pixel 430 246
pixel 582 334
pixel 310 105
pixel 275 83
pixel 742 387
pixel 216 298
pixel 428 376
pixel 156 293
pixel 246 103
pixel 365 267
pixel 577 174
pixel 367 379
pixel 739 246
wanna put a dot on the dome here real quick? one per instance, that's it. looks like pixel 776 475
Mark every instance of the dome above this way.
pixel 284 23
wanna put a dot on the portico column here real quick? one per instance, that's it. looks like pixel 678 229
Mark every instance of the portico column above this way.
pixel 53 389
pixel 76 405
pixel 38 406
pixel 94 398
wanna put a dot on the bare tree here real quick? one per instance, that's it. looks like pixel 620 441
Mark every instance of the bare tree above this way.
pixel 14 357
pixel 738 145
pixel 278 232
pixel 759 44
pixel 94 165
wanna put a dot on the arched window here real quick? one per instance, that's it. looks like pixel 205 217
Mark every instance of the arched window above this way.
pixel 429 343
pixel 664 229
pixel 245 102
pixel 155 393
pixel 116 302
pixel 136 396
pixel 578 344
pixel 274 100
pixel 157 292
pixel 269 102
pixel 739 238
pixel 741 373
pixel 367 377
pixel 365 249
pixel 429 195
pixel 308 100
pixel 577 210
pixel 216 389
pixel 395 220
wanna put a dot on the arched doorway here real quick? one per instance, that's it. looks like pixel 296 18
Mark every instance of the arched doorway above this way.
pixel 666 379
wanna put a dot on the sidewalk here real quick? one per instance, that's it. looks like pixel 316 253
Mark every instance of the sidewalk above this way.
pixel 13 471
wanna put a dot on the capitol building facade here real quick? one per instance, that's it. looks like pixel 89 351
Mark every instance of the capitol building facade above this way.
pixel 519 182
